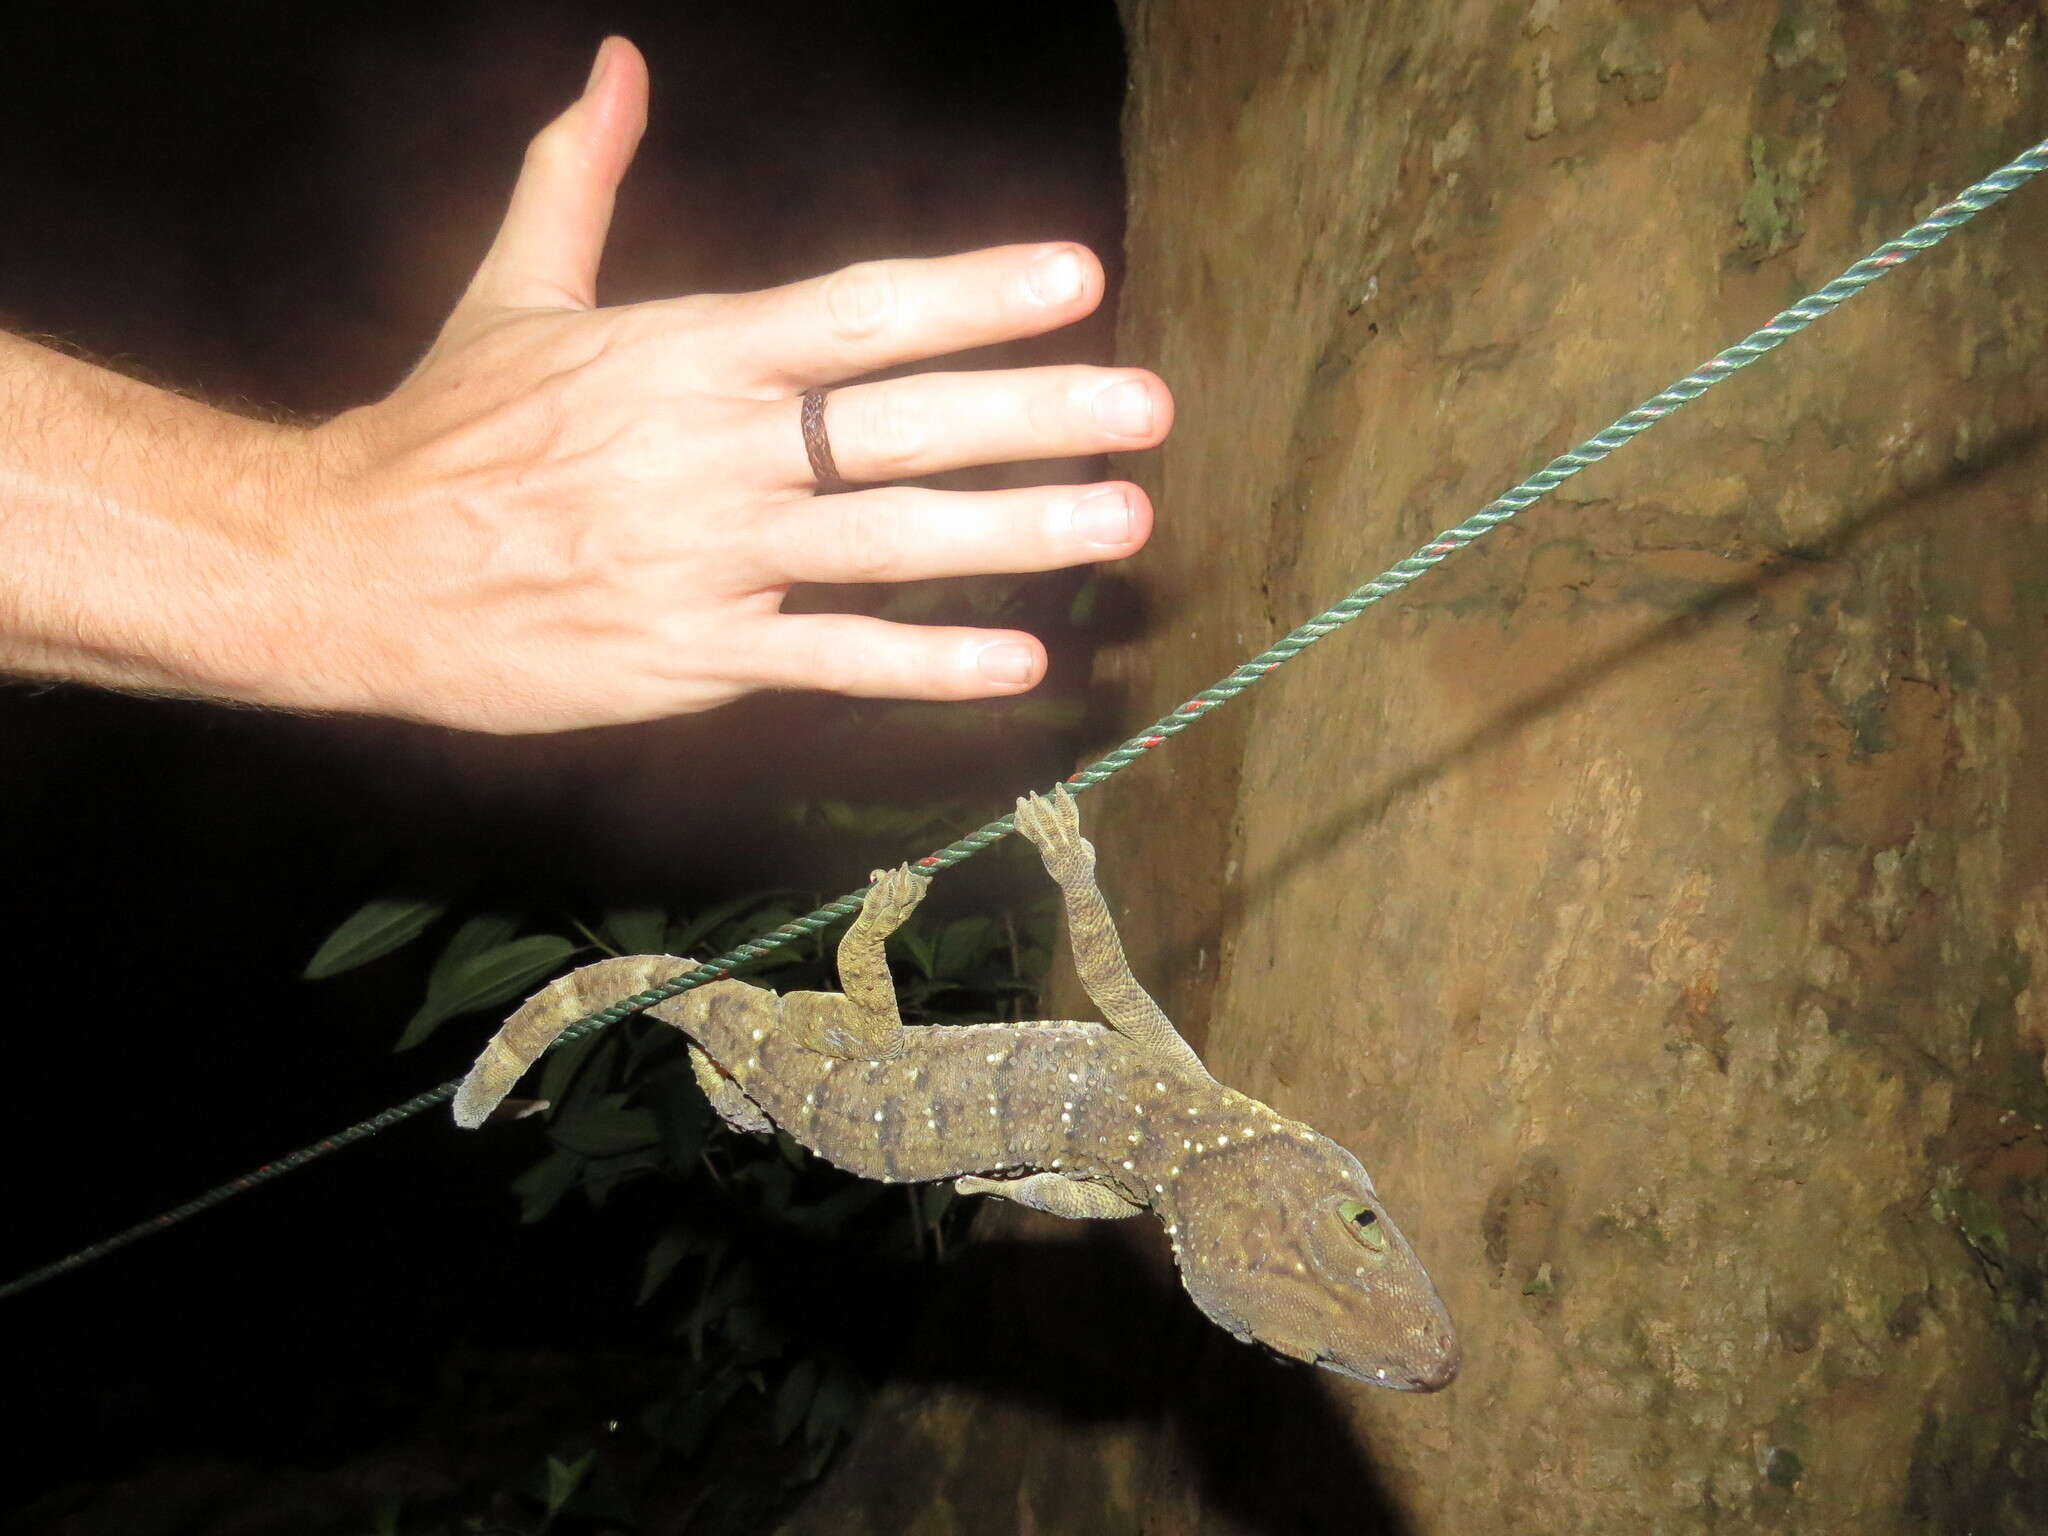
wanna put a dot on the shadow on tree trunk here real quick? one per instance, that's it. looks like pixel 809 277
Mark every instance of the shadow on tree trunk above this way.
pixel 1770 573
pixel 1051 1324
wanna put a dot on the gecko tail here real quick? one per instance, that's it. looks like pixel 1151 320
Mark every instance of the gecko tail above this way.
pixel 541 1019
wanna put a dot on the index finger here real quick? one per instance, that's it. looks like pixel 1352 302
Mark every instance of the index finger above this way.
pixel 879 313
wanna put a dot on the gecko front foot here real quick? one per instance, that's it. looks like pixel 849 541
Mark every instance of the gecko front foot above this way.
pixel 893 894
pixel 1054 827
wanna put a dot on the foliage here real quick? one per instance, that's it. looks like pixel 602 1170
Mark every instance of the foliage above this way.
pixel 756 1254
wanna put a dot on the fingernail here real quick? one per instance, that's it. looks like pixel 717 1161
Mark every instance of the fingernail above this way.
pixel 1007 662
pixel 599 66
pixel 1056 279
pixel 1125 408
pixel 1103 517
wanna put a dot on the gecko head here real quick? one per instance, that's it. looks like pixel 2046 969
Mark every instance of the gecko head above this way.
pixel 1282 1241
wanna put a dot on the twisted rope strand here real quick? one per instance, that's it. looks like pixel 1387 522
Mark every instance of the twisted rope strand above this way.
pixel 1925 235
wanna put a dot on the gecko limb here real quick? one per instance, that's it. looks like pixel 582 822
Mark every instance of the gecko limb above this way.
pixel 1054 828
pixel 863 1024
pixel 1055 1194
pixel 893 894
pixel 726 1096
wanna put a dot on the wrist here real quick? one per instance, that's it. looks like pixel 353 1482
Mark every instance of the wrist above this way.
pixel 144 529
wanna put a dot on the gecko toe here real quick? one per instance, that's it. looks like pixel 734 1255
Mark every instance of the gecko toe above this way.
pixel 1065 812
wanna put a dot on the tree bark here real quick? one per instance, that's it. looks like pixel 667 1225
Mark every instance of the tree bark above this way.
pixel 1656 897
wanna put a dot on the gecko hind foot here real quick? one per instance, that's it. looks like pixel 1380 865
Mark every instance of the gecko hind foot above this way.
pixel 1056 1195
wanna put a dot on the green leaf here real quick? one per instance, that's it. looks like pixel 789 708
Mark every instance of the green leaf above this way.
pixel 770 915
pixel 541 1187
pixel 793 1401
pixel 835 1407
pixel 497 975
pixel 921 944
pixel 713 1304
pixel 563 1066
pixel 1087 597
pixel 921 602
pixel 934 1200
pixel 829 1216
pixel 681 1423
pixel 774 1184
pixel 889 823
pixel 756 1332
pixel 485 931
pixel 688 932
pixel 683 1114
pixel 602 1126
pixel 1045 714
pixel 964 944
pixel 564 1478
pixel 669 1250
pixel 374 929
pixel 603 1175
pixel 637 930
pixel 651 1046
pixel 813 1465
pixel 840 816
pixel 601 1502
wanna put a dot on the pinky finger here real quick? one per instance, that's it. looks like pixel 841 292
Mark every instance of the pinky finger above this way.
pixel 874 659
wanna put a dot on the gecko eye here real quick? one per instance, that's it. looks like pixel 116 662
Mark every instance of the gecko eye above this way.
pixel 1365 1224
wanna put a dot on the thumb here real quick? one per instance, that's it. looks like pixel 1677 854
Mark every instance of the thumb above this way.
pixel 548 248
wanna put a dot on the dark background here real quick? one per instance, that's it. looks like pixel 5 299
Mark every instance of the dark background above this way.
pixel 273 209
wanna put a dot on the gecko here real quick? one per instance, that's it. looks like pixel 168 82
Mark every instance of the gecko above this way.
pixel 1276 1230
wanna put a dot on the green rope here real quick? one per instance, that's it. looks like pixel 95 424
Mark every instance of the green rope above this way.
pixel 1929 232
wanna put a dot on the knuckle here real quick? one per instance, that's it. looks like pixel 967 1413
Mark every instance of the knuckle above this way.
pixel 540 425
pixel 685 318
pixel 553 146
pixel 861 299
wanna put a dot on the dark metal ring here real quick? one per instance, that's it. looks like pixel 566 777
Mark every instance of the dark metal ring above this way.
pixel 817 446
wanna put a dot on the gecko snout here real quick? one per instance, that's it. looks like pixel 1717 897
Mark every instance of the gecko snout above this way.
pixel 1438 1371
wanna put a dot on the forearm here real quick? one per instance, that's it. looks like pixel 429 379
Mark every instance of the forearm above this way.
pixel 136 531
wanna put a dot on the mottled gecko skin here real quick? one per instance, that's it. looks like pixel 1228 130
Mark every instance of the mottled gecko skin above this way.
pixel 1277 1231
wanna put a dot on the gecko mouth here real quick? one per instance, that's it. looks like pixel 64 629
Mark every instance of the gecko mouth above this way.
pixel 1432 1377
pixel 1427 1380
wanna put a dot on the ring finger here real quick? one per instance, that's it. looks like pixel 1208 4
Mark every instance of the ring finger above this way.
pixel 899 429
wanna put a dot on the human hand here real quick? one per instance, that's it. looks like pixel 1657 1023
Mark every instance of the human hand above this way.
pixel 570 516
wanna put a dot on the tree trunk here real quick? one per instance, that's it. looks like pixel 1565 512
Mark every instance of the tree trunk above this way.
pixel 1656 896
